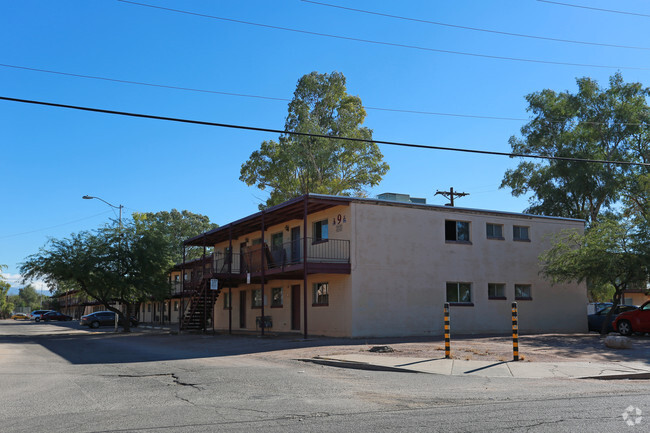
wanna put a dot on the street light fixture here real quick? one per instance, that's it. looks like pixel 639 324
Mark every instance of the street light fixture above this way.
pixel 89 197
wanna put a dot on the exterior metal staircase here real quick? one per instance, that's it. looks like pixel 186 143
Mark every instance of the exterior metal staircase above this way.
pixel 198 313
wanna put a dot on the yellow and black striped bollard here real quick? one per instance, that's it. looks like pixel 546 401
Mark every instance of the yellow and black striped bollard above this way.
pixel 447 340
pixel 515 333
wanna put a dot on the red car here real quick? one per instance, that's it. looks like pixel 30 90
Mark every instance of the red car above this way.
pixel 633 321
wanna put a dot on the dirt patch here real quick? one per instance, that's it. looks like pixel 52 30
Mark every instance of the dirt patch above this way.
pixel 533 348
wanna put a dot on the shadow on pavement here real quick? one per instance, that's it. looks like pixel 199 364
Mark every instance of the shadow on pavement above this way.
pixel 79 345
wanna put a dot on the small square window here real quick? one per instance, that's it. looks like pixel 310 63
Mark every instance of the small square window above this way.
pixel 520 233
pixel 459 292
pixel 494 231
pixel 276 297
pixel 256 299
pixel 523 291
pixel 496 291
pixel 321 294
pixel 457 231
pixel 320 231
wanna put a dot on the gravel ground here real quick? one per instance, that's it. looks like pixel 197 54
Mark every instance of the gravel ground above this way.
pixel 532 348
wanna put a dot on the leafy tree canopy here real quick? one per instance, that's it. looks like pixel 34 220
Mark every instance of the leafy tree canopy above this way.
pixel 174 227
pixel 610 254
pixel 123 264
pixel 595 123
pixel 29 297
pixel 6 307
pixel 296 165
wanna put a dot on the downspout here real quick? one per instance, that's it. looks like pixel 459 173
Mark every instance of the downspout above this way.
pixel 205 291
pixel 182 315
pixel 263 275
pixel 304 264
pixel 230 279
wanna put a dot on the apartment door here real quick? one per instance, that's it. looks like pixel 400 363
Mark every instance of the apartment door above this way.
pixel 295 307
pixel 242 259
pixel 295 245
pixel 242 309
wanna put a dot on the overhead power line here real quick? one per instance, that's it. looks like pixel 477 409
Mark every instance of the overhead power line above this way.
pixel 53 227
pixel 329 137
pixel 595 9
pixel 476 29
pixel 271 98
pixel 246 95
pixel 391 44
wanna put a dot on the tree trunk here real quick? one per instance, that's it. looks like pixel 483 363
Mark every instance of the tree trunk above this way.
pixel 608 318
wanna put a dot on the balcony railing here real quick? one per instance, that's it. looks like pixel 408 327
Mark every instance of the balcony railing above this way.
pixel 331 251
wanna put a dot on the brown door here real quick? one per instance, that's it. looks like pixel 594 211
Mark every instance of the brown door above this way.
pixel 242 309
pixel 295 307
pixel 295 245
pixel 242 259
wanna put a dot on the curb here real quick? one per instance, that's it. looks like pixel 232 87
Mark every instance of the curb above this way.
pixel 356 365
pixel 638 376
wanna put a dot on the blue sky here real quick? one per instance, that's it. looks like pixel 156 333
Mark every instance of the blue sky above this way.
pixel 52 157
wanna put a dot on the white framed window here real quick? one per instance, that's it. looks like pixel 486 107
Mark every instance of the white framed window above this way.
pixel 320 231
pixel 496 291
pixel 276 241
pixel 494 231
pixel 520 233
pixel 256 299
pixel 523 292
pixel 321 294
pixel 456 231
pixel 276 297
pixel 459 292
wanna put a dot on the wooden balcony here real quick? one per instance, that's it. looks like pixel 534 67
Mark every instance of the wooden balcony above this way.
pixel 275 262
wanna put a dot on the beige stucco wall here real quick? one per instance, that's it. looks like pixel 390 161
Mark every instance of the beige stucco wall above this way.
pixel 635 298
pixel 401 264
pixel 333 319
pixel 322 320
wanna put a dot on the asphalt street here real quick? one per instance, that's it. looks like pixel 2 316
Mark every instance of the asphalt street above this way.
pixel 62 378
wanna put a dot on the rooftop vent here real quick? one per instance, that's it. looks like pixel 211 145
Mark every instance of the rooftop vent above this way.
pixel 402 198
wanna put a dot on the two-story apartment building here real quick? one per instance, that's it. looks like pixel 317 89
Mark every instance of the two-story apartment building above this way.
pixel 356 267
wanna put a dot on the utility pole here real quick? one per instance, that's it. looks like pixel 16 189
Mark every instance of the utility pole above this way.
pixel 450 195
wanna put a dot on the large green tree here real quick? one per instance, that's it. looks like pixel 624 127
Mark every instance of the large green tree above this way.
pixel 593 123
pixel 29 297
pixel 296 165
pixel 174 227
pixel 6 307
pixel 113 264
pixel 610 254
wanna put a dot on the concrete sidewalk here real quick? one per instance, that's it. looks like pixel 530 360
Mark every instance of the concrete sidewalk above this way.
pixel 516 369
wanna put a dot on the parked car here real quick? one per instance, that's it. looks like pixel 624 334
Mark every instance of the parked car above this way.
pixel 103 318
pixel 36 314
pixel 54 315
pixel 595 321
pixel 633 321
pixel 20 316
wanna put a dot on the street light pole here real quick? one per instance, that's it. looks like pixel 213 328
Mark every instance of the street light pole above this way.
pixel 89 197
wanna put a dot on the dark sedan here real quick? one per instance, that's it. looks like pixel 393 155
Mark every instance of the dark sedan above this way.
pixel 595 321
pixel 102 318
pixel 54 315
